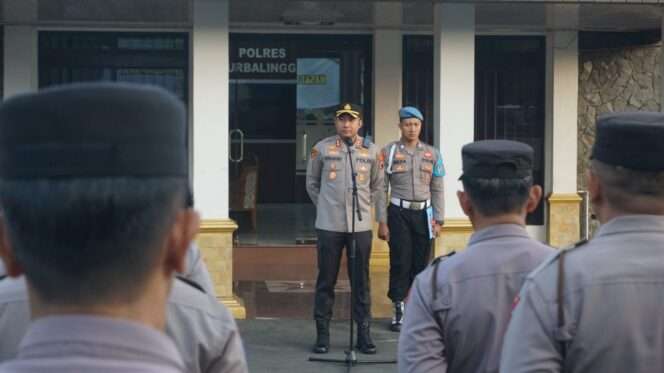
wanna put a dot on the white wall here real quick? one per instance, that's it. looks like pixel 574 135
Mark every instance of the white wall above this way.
pixel 454 91
pixel 210 67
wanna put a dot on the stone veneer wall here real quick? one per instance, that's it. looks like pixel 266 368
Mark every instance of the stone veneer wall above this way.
pixel 610 80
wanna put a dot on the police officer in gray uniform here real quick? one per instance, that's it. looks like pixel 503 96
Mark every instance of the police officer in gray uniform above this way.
pixel 597 307
pixel 459 306
pixel 414 172
pixel 93 191
pixel 329 185
pixel 203 329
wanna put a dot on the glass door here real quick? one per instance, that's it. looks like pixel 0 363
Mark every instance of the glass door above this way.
pixel 283 92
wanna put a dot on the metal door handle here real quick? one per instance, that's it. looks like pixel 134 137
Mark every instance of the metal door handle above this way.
pixel 304 146
pixel 230 143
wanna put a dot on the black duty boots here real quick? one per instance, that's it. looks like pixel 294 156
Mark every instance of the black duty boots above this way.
pixel 364 343
pixel 398 317
pixel 322 345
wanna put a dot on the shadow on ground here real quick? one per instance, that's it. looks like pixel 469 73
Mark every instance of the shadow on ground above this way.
pixel 284 345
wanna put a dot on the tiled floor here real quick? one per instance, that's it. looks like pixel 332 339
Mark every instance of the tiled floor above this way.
pixel 287 299
pixel 273 275
pixel 277 346
pixel 278 224
pixel 278 282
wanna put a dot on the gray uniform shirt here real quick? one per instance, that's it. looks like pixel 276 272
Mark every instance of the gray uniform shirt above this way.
pixel 415 175
pixel 203 330
pixel 460 328
pixel 613 304
pixel 329 184
pixel 79 343
pixel 197 271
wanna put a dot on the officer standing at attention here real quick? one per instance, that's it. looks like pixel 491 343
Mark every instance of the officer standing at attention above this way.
pixel 597 307
pixel 93 191
pixel 329 185
pixel 459 306
pixel 414 171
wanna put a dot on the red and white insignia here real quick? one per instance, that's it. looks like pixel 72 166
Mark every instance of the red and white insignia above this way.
pixel 428 155
pixel 515 302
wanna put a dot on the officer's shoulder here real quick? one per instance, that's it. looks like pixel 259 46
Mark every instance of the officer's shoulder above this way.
pixel 367 143
pixel 389 145
pixel 555 257
pixel 443 258
pixel 432 149
pixel 325 141
pixel 187 298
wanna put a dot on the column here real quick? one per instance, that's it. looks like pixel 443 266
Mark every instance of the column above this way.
pixel 387 75
pixel 454 108
pixel 20 48
pixel 210 59
pixel 562 89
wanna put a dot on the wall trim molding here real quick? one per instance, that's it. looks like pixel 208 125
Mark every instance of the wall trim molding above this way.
pixel 218 226
pixel 564 198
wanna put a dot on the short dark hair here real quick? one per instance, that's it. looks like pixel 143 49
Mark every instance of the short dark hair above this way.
pixel 82 241
pixel 622 184
pixel 492 197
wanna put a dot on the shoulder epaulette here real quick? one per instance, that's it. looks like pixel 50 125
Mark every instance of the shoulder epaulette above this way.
pixel 434 276
pixel 191 283
pixel 442 258
pixel 576 244
pixel 366 142
pixel 554 257
pixel 560 291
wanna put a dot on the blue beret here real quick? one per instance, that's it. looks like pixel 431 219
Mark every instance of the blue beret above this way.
pixel 410 112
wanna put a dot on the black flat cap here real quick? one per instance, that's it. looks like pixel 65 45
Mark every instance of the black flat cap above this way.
pixel 93 130
pixel 631 140
pixel 497 159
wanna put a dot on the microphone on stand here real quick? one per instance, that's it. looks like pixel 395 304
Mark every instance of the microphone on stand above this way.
pixel 349 143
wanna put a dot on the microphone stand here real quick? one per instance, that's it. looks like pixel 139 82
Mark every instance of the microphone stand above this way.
pixel 350 357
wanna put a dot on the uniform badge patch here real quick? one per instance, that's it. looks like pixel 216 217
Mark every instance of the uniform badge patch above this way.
pixel 428 155
pixel 515 302
pixel 399 155
pixel 361 178
pixel 381 160
pixel 333 175
pixel 314 153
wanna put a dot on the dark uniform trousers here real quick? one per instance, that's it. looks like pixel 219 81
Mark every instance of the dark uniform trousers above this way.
pixel 330 248
pixel 410 248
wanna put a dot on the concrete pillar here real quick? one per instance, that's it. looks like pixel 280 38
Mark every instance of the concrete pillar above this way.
pixel 562 90
pixel 387 71
pixel 210 57
pixel 20 47
pixel 454 107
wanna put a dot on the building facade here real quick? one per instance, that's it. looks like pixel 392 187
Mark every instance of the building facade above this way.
pixel 259 79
